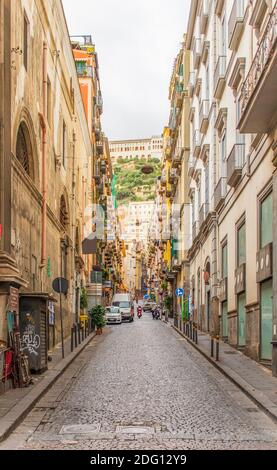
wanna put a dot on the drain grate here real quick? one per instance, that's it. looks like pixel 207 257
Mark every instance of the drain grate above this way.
pixel 252 410
pixel 135 430
pixel 230 352
pixel 80 429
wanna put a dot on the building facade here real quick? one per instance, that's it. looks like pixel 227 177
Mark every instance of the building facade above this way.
pixel 231 171
pixel 132 149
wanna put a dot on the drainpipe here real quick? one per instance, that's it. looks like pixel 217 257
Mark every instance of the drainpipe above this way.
pixel 74 275
pixel 43 165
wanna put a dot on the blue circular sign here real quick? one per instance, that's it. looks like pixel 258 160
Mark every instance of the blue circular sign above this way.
pixel 146 297
pixel 179 292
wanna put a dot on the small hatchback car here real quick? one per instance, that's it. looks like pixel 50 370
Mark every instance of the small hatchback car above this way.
pixel 113 315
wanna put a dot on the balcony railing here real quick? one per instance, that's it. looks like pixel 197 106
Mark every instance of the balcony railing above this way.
pixel 204 16
pixel 173 175
pixel 84 70
pixel 191 83
pixel 235 25
pixel 235 163
pixel 195 230
pixel 220 76
pixel 220 193
pixel 196 52
pixel 196 143
pixel 177 157
pixel 204 116
pixel 203 213
pixel 258 69
pixel 191 165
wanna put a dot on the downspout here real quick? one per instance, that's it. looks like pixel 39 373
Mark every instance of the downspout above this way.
pixel 74 275
pixel 43 163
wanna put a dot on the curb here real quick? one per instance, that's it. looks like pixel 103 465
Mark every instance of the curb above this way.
pixel 261 400
pixel 17 414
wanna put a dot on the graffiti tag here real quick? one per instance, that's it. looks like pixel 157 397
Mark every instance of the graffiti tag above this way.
pixel 30 340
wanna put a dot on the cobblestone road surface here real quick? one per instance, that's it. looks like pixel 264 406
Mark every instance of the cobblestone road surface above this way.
pixel 141 386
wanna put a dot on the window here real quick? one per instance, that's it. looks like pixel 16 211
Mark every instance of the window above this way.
pixel 266 217
pixel 224 261
pixel 223 37
pixel 64 144
pixel 23 149
pixel 25 41
pixel 241 245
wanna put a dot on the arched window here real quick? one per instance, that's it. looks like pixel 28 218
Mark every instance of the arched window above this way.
pixel 24 149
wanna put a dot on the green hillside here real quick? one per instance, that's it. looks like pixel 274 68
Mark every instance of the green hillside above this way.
pixel 131 184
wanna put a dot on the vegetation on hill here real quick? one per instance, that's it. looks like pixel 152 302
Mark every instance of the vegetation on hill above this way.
pixel 131 184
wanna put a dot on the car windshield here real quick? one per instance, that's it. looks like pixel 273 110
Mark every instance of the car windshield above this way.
pixel 112 310
pixel 122 304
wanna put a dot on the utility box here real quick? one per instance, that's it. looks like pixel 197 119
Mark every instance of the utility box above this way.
pixel 33 322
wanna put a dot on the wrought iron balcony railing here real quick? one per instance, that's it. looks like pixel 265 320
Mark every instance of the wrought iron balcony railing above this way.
pixel 220 193
pixel 219 76
pixel 235 163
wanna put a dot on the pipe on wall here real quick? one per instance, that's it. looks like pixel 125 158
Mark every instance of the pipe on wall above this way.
pixel 43 162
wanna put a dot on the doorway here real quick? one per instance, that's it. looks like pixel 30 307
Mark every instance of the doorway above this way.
pixel 266 319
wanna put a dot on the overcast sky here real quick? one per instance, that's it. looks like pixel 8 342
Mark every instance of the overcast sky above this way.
pixel 136 41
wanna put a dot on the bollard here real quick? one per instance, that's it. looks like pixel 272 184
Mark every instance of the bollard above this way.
pixel 83 334
pixel 217 349
pixel 196 335
pixel 193 333
pixel 75 335
pixel 72 338
pixel 79 333
pixel 212 347
pixel 190 330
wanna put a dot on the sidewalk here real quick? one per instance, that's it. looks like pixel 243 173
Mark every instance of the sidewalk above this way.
pixel 15 404
pixel 252 378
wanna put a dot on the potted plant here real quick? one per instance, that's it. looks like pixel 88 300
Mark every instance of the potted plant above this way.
pixel 83 299
pixel 168 304
pixel 97 314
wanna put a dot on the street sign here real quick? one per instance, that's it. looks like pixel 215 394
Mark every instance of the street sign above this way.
pixel 146 297
pixel 179 292
pixel 60 285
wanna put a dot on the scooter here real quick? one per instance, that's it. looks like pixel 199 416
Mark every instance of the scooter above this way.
pixel 139 312
pixel 156 314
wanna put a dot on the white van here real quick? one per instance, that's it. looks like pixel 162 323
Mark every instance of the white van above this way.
pixel 124 302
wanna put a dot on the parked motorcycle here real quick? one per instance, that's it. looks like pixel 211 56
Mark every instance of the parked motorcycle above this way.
pixel 156 314
pixel 139 312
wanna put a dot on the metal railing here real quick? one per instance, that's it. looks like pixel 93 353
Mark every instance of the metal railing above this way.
pixel 196 52
pixel 204 112
pixel 203 213
pixel 195 230
pixel 220 70
pixel 196 140
pixel 263 55
pixel 220 192
pixel 235 163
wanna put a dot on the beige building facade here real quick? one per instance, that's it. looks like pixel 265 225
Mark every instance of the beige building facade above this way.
pixel 231 172
pixel 46 160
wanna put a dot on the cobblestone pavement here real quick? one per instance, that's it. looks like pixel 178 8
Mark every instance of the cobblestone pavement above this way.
pixel 141 386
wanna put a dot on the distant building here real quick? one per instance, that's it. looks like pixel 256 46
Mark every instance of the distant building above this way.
pixel 140 148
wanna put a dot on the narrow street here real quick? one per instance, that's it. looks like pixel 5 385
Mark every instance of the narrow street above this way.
pixel 141 386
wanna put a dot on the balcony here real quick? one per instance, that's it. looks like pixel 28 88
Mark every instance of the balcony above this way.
pixel 205 47
pixel 99 148
pixel 196 52
pixel 203 213
pixel 195 230
pixel 236 23
pixel 191 83
pixel 204 16
pixel 204 116
pixel 220 77
pixel 240 279
pixel 223 290
pixel 177 158
pixel 235 163
pixel 259 91
pixel 220 193
pixel 163 179
pixel 84 70
pixel 191 165
pixel 264 268
pixel 173 175
pixel 196 143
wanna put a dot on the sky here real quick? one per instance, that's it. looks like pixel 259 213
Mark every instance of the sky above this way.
pixel 136 41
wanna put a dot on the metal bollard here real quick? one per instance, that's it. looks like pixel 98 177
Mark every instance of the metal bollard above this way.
pixel 212 347
pixel 196 335
pixel 79 333
pixel 72 342
pixel 217 349
pixel 83 334
pixel 75 335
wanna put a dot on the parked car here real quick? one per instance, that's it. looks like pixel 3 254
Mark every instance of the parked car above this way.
pixel 113 315
pixel 149 306
pixel 125 304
